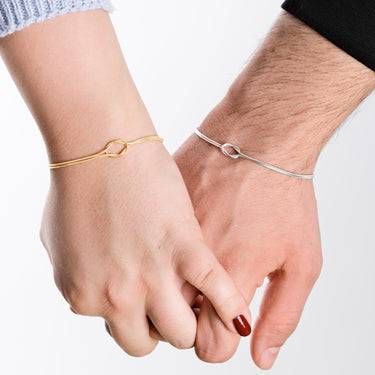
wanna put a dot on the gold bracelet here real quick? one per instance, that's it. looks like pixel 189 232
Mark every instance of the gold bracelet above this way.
pixel 106 152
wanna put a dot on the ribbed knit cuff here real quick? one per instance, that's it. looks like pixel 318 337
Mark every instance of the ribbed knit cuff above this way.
pixel 17 14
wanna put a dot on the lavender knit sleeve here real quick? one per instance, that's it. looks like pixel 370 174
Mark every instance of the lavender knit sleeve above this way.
pixel 17 14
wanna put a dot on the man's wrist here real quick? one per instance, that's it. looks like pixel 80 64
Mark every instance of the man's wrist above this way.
pixel 261 141
pixel 290 99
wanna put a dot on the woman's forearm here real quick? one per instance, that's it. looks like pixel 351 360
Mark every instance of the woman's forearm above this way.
pixel 73 76
pixel 121 235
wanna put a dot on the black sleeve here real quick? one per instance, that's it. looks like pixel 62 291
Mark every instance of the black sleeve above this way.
pixel 349 24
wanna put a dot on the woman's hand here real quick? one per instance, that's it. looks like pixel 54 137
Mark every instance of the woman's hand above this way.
pixel 121 233
pixel 125 245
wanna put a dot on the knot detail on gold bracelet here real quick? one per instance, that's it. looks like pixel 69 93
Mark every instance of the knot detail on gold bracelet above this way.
pixel 119 153
pixel 106 151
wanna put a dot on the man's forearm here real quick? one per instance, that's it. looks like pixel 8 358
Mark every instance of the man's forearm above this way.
pixel 290 99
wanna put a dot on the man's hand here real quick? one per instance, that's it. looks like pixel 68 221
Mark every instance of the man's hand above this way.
pixel 282 109
pixel 259 224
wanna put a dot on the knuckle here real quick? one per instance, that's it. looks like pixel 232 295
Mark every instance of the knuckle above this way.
pixel 231 302
pixel 116 298
pixel 308 269
pixel 204 276
pixel 281 330
pixel 80 301
pixel 313 269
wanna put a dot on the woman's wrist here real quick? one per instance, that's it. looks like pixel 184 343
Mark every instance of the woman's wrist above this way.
pixel 79 137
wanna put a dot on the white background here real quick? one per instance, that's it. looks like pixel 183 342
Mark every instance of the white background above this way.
pixel 183 55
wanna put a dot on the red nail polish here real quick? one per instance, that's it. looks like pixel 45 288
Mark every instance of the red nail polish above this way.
pixel 242 325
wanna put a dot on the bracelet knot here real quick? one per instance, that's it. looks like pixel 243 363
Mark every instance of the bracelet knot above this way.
pixel 106 151
pixel 238 154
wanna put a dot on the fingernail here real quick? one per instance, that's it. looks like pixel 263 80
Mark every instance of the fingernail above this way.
pixel 268 358
pixel 242 325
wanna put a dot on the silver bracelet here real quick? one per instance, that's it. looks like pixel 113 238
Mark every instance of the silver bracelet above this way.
pixel 239 154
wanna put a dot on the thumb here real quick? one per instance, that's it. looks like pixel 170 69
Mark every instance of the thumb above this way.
pixel 199 267
pixel 280 312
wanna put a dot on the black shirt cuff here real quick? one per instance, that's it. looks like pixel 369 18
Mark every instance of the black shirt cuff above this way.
pixel 349 24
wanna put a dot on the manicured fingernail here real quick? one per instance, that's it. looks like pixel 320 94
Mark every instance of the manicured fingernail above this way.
pixel 242 325
pixel 268 358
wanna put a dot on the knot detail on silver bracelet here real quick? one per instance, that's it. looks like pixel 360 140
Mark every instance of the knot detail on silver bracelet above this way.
pixel 234 152
pixel 237 150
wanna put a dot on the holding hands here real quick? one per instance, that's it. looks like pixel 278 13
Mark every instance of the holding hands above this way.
pixel 268 227
pixel 129 249
pixel 139 240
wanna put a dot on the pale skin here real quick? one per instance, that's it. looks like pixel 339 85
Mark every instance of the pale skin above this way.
pixel 283 108
pixel 121 233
